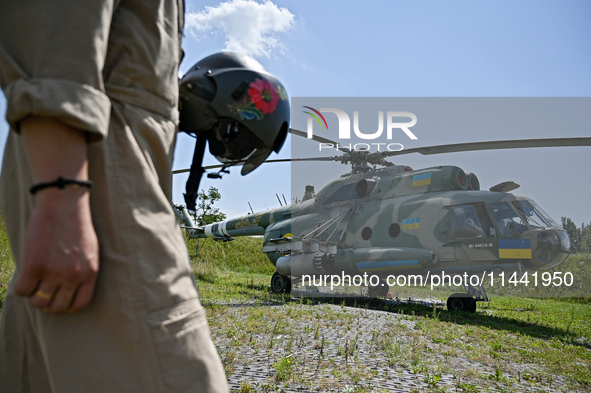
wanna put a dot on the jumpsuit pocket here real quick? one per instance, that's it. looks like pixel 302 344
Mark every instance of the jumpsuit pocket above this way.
pixel 183 346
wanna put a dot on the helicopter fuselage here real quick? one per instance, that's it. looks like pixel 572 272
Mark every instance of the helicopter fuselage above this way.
pixel 394 221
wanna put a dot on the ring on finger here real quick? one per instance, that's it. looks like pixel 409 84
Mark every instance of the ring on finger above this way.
pixel 43 294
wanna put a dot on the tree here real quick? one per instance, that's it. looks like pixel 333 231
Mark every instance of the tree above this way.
pixel 206 213
pixel 574 234
pixel 586 238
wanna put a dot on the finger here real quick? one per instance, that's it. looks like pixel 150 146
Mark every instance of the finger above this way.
pixel 42 297
pixel 83 296
pixel 28 282
pixel 61 300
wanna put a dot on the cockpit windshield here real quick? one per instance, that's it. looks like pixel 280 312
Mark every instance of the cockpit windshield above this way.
pixel 508 221
pixel 545 215
pixel 534 218
pixel 518 216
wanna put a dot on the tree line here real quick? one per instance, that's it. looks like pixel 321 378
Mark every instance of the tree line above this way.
pixel 580 238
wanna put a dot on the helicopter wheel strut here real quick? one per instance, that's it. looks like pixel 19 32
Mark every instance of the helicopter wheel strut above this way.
pixel 280 284
pixel 461 302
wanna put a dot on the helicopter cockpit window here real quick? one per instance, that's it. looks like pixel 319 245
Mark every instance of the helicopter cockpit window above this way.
pixel 508 221
pixel 344 193
pixel 465 222
pixel 545 215
pixel 534 218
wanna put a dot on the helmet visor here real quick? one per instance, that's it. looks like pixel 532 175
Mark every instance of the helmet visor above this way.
pixel 233 144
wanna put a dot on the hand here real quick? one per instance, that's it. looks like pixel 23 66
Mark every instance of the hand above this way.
pixel 60 263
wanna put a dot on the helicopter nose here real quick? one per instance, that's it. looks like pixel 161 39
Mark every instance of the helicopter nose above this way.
pixel 553 247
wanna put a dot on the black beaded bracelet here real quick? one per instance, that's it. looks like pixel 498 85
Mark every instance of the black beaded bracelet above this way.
pixel 60 183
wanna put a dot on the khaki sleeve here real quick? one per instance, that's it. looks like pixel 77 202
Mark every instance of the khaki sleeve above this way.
pixel 52 54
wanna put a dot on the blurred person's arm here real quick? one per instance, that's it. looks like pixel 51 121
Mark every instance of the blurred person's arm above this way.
pixel 61 252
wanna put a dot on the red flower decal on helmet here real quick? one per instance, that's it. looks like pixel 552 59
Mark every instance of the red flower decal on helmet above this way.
pixel 263 95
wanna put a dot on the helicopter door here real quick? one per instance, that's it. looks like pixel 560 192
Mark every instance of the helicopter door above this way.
pixel 472 231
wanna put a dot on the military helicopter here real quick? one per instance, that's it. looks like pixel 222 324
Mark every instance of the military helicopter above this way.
pixel 385 219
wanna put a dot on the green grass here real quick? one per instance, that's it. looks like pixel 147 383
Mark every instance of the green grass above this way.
pixel 6 262
pixel 551 338
pixel 548 338
pixel 241 255
pixel 550 334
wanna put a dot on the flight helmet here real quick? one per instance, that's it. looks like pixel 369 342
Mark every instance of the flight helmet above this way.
pixel 240 108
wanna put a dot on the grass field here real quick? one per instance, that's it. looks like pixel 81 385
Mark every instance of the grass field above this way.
pixel 6 262
pixel 270 342
pixel 510 344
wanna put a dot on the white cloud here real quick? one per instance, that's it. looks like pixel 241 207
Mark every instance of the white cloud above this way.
pixel 249 26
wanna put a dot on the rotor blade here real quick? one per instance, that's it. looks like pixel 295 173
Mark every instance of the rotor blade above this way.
pixel 319 139
pixel 177 171
pixel 492 145
pixel 293 131
pixel 314 137
pixel 303 159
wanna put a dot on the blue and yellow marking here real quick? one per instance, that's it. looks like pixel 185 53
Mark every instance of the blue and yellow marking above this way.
pixel 387 265
pixel 421 180
pixel 411 223
pixel 515 248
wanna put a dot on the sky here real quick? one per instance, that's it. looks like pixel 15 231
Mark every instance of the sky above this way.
pixel 413 49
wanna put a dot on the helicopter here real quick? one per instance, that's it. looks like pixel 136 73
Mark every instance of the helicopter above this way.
pixel 391 220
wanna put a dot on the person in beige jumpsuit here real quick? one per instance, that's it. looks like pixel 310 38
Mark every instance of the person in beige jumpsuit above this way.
pixel 103 298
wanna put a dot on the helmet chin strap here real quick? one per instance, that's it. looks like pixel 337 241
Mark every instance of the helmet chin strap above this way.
pixel 197 171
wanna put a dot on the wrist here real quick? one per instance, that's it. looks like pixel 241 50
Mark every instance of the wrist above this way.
pixel 60 183
pixel 56 201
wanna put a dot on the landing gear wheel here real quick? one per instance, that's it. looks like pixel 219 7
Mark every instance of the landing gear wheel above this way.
pixel 455 304
pixel 280 284
pixel 469 304
pixel 381 290
pixel 461 302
